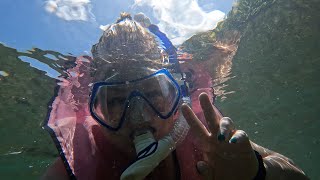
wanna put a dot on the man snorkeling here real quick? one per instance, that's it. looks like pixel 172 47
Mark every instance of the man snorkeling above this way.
pixel 135 125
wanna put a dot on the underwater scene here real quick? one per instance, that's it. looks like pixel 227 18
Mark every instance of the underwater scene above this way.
pixel 259 61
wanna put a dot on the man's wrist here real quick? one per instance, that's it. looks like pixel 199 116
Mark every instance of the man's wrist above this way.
pixel 261 174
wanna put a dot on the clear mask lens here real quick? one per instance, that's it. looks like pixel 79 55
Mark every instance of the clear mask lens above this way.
pixel 111 101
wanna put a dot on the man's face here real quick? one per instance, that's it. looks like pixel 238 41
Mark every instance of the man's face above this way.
pixel 112 103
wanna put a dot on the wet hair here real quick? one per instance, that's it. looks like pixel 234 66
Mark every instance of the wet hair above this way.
pixel 124 16
pixel 124 47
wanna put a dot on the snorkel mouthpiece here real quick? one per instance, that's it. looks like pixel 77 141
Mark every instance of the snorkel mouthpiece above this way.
pixel 149 152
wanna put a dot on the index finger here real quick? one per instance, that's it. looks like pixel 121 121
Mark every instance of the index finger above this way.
pixel 194 123
pixel 211 114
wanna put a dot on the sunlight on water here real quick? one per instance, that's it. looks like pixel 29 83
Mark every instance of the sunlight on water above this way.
pixel 264 65
pixel 3 73
pixel 40 66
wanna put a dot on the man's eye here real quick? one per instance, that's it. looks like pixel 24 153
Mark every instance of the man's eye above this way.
pixel 153 94
pixel 115 101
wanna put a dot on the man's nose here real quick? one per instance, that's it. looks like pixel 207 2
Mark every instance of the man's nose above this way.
pixel 136 110
pixel 136 103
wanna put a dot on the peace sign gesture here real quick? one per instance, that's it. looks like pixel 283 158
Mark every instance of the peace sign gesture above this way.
pixel 227 152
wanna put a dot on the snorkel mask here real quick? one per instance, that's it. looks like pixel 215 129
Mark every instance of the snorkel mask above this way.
pixel 113 104
pixel 110 101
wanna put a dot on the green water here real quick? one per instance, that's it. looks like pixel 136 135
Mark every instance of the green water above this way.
pixel 276 83
pixel 274 79
pixel 26 149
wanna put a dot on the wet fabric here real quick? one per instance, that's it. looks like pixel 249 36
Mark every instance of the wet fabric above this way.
pixel 86 152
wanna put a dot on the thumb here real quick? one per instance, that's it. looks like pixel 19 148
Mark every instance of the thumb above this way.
pixel 204 170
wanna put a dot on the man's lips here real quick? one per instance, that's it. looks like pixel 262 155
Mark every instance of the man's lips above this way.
pixel 142 130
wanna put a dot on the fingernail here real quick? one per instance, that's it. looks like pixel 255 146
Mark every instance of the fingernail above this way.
pixel 233 140
pixel 221 137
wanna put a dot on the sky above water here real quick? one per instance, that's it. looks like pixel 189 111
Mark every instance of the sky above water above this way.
pixel 73 26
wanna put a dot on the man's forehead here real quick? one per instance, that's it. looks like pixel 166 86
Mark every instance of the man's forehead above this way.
pixel 128 74
pixel 146 85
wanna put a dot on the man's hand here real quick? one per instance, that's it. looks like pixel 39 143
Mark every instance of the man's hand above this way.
pixel 227 152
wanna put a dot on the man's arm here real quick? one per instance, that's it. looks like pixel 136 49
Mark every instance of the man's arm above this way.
pixel 278 166
pixel 56 171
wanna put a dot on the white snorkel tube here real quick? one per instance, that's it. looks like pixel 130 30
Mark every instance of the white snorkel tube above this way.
pixel 149 151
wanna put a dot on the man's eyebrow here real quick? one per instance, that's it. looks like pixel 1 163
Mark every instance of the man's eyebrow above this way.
pixel 110 77
pixel 151 83
pixel 116 92
pixel 154 91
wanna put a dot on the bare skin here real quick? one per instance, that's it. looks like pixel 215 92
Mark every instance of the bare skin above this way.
pixel 56 171
pixel 225 160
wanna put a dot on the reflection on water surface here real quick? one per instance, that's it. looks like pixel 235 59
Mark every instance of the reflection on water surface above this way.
pixel 265 74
